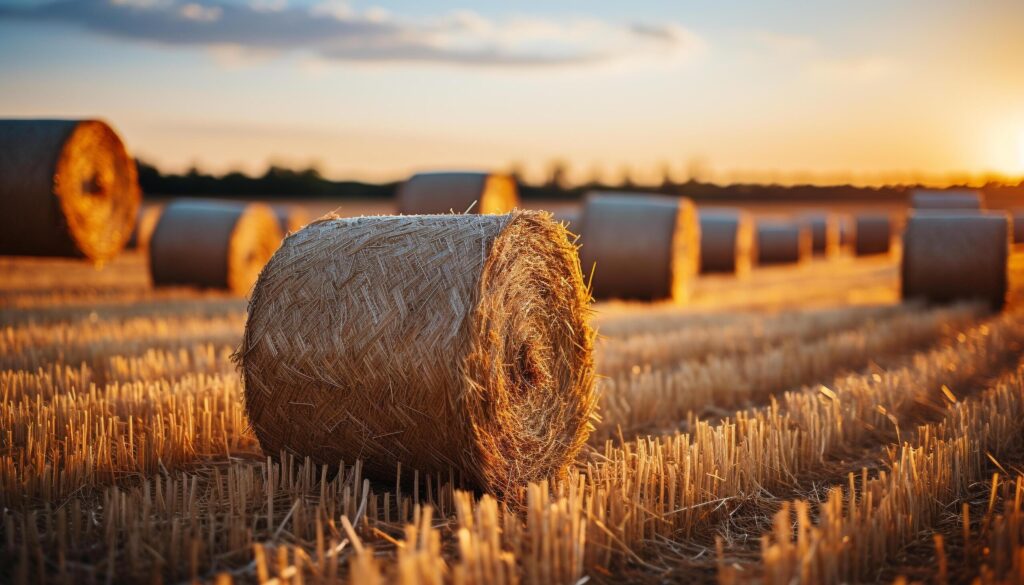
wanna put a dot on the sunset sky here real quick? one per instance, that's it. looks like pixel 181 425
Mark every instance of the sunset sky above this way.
pixel 825 91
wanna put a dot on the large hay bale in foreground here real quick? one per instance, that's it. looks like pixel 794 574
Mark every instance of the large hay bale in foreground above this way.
pixel 825 233
pixel 443 342
pixel 782 242
pixel 947 199
pixel 212 244
pixel 727 243
pixel 956 256
pixel 872 234
pixel 483 193
pixel 67 188
pixel 644 247
pixel 291 218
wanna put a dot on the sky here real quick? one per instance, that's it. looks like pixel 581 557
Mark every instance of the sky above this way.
pixel 823 91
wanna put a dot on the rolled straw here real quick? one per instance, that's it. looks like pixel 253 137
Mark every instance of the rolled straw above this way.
pixel 947 199
pixel 148 217
pixel 956 256
pixel 782 242
pixel 643 247
pixel 727 243
pixel 212 244
pixel 872 233
pixel 483 193
pixel 442 343
pixel 825 234
pixel 67 188
pixel 291 218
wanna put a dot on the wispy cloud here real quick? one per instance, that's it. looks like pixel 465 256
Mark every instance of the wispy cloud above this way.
pixel 335 31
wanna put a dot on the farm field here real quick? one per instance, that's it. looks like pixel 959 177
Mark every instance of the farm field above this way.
pixel 799 423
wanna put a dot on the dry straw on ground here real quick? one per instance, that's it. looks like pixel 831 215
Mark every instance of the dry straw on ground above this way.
pixel 444 344
pixel 727 243
pixel 67 188
pixel 956 255
pixel 872 234
pixel 948 199
pixel 782 242
pixel 485 193
pixel 640 246
pixel 212 244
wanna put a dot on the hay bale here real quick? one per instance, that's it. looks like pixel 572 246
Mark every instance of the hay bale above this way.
pixel 212 244
pixel 872 233
pixel 291 218
pixel 847 232
pixel 644 247
pixel 956 256
pixel 483 193
pixel 442 342
pixel 825 234
pixel 67 188
pixel 947 199
pixel 145 223
pixel 727 243
pixel 782 242
pixel 1018 226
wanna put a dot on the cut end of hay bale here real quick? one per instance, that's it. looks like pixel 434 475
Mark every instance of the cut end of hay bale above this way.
pixel 782 242
pixel 956 256
pixel 727 242
pixel 480 193
pixel 872 234
pixel 643 247
pixel 69 189
pixel 441 343
pixel 923 199
pixel 212 244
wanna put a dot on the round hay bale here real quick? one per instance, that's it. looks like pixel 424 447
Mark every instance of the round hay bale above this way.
pixel 291 218
pixel 148 217
pixel 727 243
pixel 782 242
pixel 67 188
pixel 212 244
pixel 825 235
pixel 482 193
pixel 947 199
pixel 872 233
pixel 956 256
pixel 644 247
pixel 442 343
pixel 847 232
pixel 1018 226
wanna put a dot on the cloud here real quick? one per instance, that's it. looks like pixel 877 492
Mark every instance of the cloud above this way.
pixel 335 31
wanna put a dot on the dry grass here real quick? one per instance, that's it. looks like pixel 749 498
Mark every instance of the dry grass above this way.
pixel 125 454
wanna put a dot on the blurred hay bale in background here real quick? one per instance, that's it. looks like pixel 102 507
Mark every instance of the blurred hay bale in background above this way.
pixel 212 244
pixel 782 242
pixel 956 255
pixel 148 217
pixel 947 199
pixel 825 233
pixel 67 188
pixel 872 234
pixel 643 247
pixel 484 193
pixel 727 242
pixel 291 218
pixel 442 342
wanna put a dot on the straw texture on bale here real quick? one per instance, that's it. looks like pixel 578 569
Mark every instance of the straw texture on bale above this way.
pixel 444 343
pixel 643 247
pixel 212 244
pixel 825 233
pixel 67 188
pixel 483 193
pixel 872 234
pixel 727 242
pixel 947 199
pixel 956 256
pixel 782 242
pixel 291 218
pixel 148 217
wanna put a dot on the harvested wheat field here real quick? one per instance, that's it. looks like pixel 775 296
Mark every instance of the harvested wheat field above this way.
pixel 800 424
